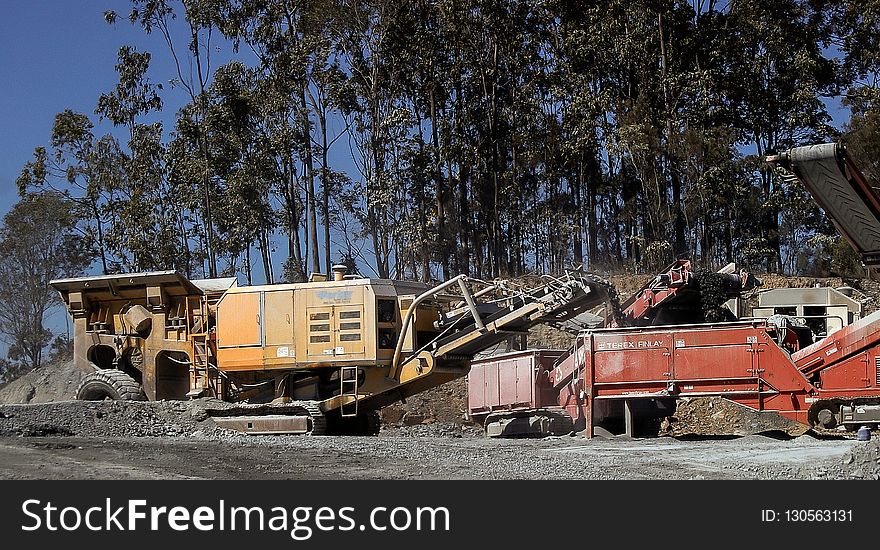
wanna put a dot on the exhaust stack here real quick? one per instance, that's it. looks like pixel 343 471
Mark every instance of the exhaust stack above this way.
pixel 339 272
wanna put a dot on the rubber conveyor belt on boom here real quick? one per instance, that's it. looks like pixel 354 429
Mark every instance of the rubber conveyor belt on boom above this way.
pixel 842 191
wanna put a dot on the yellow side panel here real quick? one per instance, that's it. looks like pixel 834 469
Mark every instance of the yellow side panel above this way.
pixel 277 357
pixel 250 358
pixel 279 318
pixel 239 320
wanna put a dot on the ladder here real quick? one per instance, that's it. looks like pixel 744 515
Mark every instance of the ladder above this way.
pixel 348 385
pixel 201 380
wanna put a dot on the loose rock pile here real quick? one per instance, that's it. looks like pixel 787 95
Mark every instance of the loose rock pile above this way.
pixel 863 462
pixel 106 419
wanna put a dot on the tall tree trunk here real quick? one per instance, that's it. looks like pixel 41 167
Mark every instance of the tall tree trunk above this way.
pixel 679 244
pixel 100 226
pixel 442 240
pixel 577 193
pixel 266 256
pixel 206 154
pixel 325 190
pixel 771 221
pixel 464 209
pixel 310 180
pixel 293 208
pixel 423 221
pixel 594 177
pixel 209 230
pixel 247 265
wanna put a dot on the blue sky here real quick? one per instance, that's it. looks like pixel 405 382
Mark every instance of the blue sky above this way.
pixel 57 55
pixel 54 55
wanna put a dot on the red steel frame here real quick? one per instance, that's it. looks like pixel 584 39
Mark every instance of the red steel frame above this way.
pixel 673 280
pixel 511 382
pixel 738 361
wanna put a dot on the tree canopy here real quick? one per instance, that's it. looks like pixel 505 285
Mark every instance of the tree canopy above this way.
pixel 38 243
pixel 488 137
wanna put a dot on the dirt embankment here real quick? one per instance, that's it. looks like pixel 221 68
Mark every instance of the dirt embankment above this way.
pixel 50 382
pixel 865 291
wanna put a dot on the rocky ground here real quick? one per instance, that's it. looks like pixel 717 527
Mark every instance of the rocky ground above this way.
pixel 170 440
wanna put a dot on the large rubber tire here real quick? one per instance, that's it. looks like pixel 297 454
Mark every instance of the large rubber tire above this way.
pixel 109 384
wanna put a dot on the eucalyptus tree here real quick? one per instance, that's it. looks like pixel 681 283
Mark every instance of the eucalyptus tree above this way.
pixel 243 166
pixel 84 169
pixel 782 73
pixel 193 73
pixel 305 93
pixel 38 242
pixel 363 29
pixel 855 36
pixel 151 221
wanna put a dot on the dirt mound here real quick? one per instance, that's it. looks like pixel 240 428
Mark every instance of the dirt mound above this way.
pixel 446 403
pixel 714 416
pixel 48 383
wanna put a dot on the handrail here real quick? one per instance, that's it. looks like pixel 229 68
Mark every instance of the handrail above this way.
pixel 460 280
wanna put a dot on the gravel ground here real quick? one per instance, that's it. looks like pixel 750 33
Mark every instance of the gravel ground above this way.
pixel 171 440
pixel 104 418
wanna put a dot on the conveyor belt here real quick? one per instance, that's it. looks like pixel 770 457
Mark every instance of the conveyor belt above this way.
pixel 842 191
pixel 553 303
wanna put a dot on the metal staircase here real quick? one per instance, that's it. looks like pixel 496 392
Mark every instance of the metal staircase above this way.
pixel 203 380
